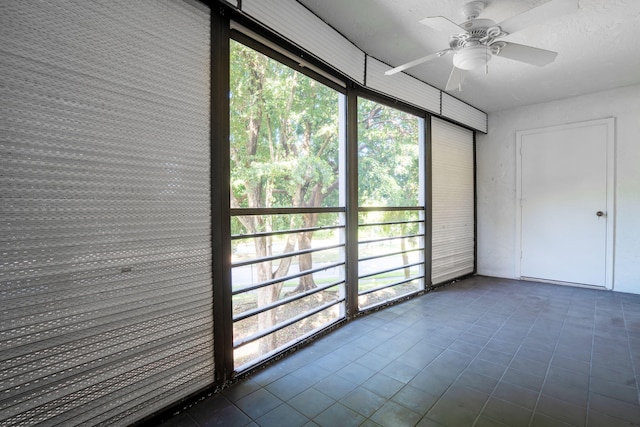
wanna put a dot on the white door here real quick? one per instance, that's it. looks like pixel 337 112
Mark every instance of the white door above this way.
pixel 565 203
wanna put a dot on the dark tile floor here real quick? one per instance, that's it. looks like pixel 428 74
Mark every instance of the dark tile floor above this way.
pixel 481 352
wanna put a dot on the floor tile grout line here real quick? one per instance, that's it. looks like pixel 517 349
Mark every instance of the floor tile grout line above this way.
pixel 192 418
pixel 571 307
pixel 509 365
pixel 472 360
pixel 553 355
pixel 593 340
pixel 633 365
pixel 335 373
pixel 445 348
pixel 390 399
pixel 476 357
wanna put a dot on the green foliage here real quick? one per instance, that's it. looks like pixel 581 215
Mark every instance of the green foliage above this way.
pixel 285 152
pixel 285 143
pixel 388 156
pixel 284 135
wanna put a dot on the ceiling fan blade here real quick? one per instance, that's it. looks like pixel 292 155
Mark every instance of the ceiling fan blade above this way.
pixel 537 15
pixel 416 62
pixel 456 78
pixel 442 24
pixel 528 54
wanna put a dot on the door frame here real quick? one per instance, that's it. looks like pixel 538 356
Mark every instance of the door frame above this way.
pixel 610 202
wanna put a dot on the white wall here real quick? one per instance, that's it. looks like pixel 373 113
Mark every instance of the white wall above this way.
pixel 496 159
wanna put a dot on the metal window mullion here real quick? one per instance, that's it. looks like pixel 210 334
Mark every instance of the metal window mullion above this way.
pixel 475 205
pixel 285 278
pixel 284 255
pixel 422 184
pixel 284 324
pixel 284 301
pixel 221 196
pixel 428 202
pixel 352 203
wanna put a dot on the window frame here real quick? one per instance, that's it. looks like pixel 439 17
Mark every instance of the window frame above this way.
pixel 262 48
pixel 231 18
pixel 424 205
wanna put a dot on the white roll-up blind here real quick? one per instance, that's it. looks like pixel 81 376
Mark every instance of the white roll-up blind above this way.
pixel 452 201
pixel 461 112
pixel 297 24
pixel 105 276
pixel 402 86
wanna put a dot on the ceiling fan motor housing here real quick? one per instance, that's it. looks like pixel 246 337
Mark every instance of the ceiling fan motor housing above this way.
pixel 472 57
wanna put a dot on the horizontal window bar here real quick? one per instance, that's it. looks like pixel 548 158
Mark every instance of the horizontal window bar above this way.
pixel 279 232
pixel 285 278
pixel 316 332
pixel 383 239
pixel 371 224
pixel 389 208
pixel 283 211
pixel 390 285
pixel 284 255
pixel 391 269
pixel 284 301
pixel 390 254
pixel 289 322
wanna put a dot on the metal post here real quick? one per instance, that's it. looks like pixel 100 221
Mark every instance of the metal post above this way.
pixel 220 197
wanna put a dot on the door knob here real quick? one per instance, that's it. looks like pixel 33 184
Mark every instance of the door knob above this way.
pixel 599 213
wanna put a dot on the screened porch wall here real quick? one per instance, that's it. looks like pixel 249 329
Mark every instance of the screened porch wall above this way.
pixel 105 221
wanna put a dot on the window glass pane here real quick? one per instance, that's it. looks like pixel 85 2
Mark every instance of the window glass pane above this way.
pixel 284 135
pixel 390 241
pixel 388 156
pixel 287 268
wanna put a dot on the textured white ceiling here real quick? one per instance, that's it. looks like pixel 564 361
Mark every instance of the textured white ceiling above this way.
pixel 598 46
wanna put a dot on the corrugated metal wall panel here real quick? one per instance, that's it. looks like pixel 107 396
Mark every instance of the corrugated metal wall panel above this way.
pixel 297 24
pixel 105 216
pixel 402 86
pixel 452 201
pixel 461 112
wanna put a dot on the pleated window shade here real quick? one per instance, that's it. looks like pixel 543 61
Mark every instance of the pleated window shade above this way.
pixel 402 86
pixel 452 201
pixel 105 271
pixel 293 21
pixel 461 112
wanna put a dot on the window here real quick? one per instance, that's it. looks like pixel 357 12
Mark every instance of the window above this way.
pixel 390 203
pixel 287 222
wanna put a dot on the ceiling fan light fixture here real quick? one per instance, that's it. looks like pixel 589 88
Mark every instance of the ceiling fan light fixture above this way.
pixel 472 57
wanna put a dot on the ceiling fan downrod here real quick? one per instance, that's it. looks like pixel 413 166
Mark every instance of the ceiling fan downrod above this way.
pixel 472 10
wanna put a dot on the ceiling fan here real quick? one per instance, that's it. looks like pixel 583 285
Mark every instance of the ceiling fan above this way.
pixel 475 41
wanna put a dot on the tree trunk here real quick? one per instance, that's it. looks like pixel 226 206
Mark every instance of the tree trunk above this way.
pixel 271 293
pixel 305 262
pixel 309 220
pixel 405 256
pixel 267 319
